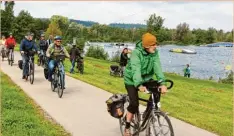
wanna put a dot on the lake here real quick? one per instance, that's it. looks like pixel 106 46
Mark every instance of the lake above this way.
pixel 209 61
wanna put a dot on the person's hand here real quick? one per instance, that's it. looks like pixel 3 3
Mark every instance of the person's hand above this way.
pixel 142 88
pixel 22 52
pixel 163 89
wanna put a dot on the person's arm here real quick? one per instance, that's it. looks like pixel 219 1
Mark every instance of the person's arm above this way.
pixel 124 56
pixel 48 51
pixel 35 46
pixel 136 68
pixel 21 45
pixel 158 69
pixel 14 42
pixel 65 52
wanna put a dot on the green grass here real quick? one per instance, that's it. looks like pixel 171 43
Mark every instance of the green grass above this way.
pixel 205 104
pixel 202 103
pixel 20 116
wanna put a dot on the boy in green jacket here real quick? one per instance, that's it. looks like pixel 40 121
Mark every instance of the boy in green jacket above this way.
pixel 143 64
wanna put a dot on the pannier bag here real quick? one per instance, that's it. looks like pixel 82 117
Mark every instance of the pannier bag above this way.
pixel 115 105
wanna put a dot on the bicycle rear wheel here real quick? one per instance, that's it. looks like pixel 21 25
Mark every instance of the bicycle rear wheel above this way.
pixel 159 125
pixel 31 73
pixel 60 86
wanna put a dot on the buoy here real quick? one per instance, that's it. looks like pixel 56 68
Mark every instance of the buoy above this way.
pixel 228 67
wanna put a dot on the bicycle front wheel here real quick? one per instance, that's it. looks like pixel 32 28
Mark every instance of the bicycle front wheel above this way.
pixel 31 72
pixel 11 58
pixel 60 86
pixel 159 125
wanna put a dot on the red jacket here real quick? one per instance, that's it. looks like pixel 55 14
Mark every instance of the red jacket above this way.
pixel 10 42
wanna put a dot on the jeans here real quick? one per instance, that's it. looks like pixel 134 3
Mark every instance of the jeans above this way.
pixel 25 59
pixel 73 61
pixel 52 64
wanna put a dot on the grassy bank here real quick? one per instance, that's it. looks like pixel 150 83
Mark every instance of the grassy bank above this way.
pixel 205 104
pixel 20 116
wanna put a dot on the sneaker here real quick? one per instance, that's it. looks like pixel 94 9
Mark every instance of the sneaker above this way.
pixel 127 132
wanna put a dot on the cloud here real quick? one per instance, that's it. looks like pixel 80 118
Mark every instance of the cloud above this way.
pixel 196 14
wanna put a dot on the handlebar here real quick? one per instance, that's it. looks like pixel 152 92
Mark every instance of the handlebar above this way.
pixel 158 85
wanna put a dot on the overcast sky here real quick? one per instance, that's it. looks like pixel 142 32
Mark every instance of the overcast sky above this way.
pixel 196 14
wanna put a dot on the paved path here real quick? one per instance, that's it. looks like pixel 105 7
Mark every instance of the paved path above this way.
pixel 82 109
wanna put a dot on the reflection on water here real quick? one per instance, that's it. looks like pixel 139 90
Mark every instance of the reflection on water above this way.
pixel 209 61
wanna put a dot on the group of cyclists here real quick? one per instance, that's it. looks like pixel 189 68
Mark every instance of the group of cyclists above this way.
pixel 7 45
pixel 142 65
pixel 47 50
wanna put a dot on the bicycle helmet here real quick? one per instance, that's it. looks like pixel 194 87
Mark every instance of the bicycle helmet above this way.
pixel 42 35
pixel 57 38
pixel 10 34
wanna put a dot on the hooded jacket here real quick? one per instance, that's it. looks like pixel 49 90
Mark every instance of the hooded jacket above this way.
pixel 142 66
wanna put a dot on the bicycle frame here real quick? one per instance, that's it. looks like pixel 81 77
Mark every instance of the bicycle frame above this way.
pixel 154 107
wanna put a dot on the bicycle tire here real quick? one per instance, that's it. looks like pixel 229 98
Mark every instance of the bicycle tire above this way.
pixel 31 73
pixel 11 62
pixel 53 82
pixel 60 86
pixel 157 115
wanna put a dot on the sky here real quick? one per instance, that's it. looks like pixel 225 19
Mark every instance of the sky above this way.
pixel 197 14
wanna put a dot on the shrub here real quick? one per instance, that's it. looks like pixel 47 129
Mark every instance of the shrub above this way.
pixel 97 52
pixel 228 79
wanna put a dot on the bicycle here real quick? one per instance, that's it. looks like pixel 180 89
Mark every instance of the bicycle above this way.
pixel 42 60
pixel 3 53
pixel 150 118
pixel 80 65
pixel 58 76
pixel 10 56
pixel 30 65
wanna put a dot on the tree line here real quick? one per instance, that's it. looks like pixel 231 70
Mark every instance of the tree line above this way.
pixel 59 25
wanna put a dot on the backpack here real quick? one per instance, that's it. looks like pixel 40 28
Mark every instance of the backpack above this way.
pixel 115 105
pixel 20 64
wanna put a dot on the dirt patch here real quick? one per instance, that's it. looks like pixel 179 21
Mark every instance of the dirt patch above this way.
pixel 212 90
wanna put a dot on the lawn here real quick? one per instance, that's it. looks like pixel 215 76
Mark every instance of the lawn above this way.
pixel 20 116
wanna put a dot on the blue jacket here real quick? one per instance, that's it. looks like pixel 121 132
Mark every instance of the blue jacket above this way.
pixel 27 45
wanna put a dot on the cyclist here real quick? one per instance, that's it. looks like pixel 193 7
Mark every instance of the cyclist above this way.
pixel 43 45
pixel 10 44
pixel 50 40
pixel 55 49
pixel 74 55
pixel 27 44
pixel 143 64
pixel 2 43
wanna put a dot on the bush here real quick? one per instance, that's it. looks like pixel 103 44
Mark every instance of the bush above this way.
pixel 228 79
pixel 97 52
pixel 116 57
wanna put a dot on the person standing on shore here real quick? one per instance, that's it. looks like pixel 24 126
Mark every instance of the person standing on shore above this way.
pixel 187 71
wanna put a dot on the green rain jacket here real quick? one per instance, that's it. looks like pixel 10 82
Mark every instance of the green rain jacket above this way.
pixel 142 66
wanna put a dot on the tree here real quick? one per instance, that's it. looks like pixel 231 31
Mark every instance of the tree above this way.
pixel 63 22
pixel 211 35
pixel 53 30
pixel 7 17
pixel 22 24
pixel 181 31
pixel 154 23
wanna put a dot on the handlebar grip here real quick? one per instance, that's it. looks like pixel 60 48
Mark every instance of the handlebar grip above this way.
pixel 171 85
